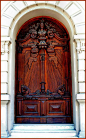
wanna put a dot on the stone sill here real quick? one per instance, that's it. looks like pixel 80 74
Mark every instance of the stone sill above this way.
pixel 5 97
pixel 80 98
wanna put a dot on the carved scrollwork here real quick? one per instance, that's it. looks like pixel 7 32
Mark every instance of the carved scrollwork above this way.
pixel 51 53
pixel 34 49
pixel 41 30
pixel 43 35
pixel 48 92
pixel 25 90
pixel 61 90
pixel 39 44
pixel 34 54
pixel 37 92
pixel 53 58
pixel 33 34
pixel 31 59
pixel 51 33
pixel 50 49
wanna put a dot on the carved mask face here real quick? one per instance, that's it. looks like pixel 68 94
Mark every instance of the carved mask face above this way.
pixel 50 33
pixel 34 34
pixel 42 25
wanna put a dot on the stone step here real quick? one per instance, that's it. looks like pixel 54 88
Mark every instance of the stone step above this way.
pixel 43 135
pixel 43 126
pixel 43 131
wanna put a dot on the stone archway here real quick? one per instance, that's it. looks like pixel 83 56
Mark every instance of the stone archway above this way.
pixel 54 14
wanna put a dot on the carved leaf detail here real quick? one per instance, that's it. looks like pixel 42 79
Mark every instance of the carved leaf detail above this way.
pixel 54 58
pixel 61 89
pixel 31 59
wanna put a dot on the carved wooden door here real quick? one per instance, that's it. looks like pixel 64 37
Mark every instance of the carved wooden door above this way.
pixel 43 75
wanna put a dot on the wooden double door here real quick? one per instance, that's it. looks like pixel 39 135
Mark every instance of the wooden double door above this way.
pixel 43 73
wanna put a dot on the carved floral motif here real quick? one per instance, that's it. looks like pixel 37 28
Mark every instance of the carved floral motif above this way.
pixel 43 32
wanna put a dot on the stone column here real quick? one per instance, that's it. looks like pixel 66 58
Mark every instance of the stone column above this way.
pixel 5 97
pixel 5 41
pixel 80 96
pixel 4 101
pixel 81 99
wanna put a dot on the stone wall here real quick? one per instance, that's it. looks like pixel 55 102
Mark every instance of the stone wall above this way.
pixel 13 15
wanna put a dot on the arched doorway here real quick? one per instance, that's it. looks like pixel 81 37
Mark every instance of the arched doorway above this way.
pixel 43 72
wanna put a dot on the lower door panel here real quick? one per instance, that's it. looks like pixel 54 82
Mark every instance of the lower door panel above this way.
pixel 43 111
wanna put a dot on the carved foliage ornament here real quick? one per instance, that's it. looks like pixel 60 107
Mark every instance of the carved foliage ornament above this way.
pixel 61 91
pixel 43 31
pixel 42 34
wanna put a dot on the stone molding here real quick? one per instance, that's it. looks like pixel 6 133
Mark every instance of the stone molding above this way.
pixel 5 97
pixel 5 42
pixel 7 39
pixel 79 37
pixel 80 98
pixel 80 40
pixel 65 7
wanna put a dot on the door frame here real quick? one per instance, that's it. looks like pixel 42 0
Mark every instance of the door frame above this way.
pixel 18 99
pixel 19 20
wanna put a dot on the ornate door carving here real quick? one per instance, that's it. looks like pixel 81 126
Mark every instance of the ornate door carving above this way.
pixel 43 73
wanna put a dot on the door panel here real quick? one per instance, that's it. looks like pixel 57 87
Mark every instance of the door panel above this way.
pixel 43 73
pixel 56 107
pixel 31 107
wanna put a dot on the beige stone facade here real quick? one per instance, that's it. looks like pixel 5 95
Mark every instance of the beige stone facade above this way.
pixel 13 15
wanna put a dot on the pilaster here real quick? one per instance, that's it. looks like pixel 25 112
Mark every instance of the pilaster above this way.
pixel 5 98
pixel 4 109
pixel 80 49
pixel 81 100
pixel 80 96
pixel 5 42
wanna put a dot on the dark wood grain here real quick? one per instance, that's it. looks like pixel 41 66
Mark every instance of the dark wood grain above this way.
pixel 43 73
